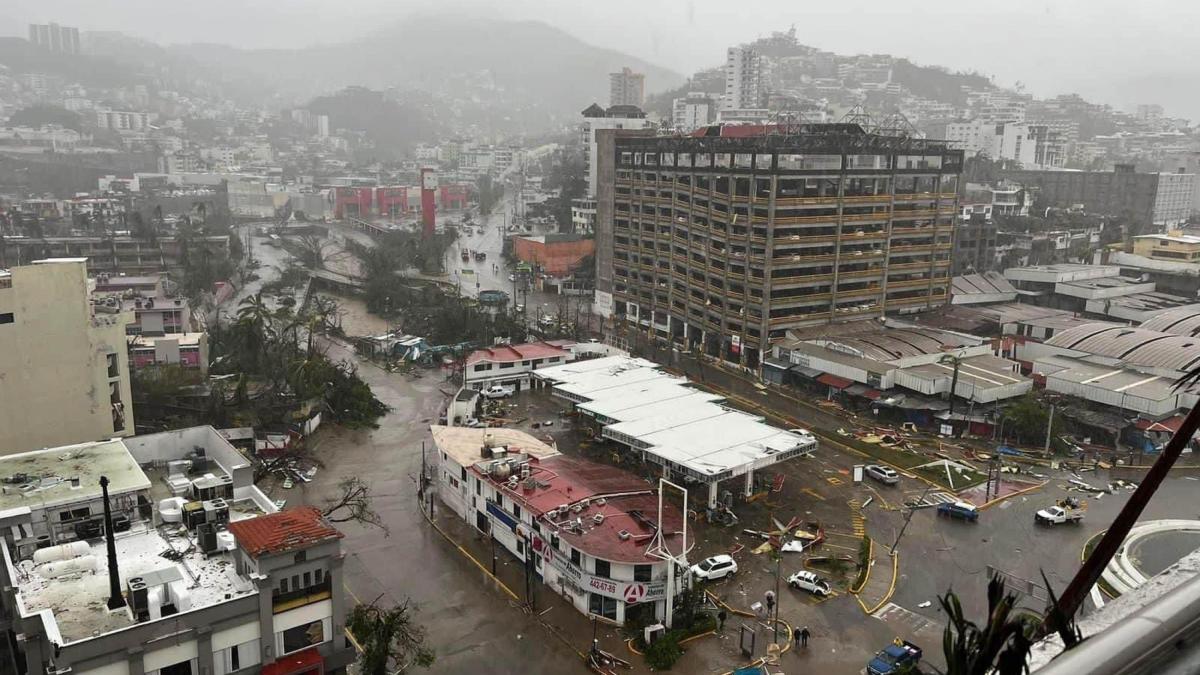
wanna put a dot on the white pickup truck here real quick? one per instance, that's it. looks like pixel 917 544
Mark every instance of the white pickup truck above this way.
pixel 498 391
pixel 1066 511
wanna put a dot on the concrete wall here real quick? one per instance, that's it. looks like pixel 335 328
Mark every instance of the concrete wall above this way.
pixel 167 446
pixel 54 382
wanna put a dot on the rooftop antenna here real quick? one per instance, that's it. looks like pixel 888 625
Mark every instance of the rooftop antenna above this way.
pixel 859 115
pixel 115 599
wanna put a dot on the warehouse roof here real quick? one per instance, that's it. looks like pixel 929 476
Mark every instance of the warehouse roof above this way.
pixel 1182 321
pixel 889 344
pixel 1136 346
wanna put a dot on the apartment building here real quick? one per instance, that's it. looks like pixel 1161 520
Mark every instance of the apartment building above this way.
pixel 726 239
pixel 1121 191
pixel 692 111
pixel 123 120
pixel 626 88
pixel 596 119
pixel 208 578
pixel 743 79
pixel 55 38
pixel 64 370
pixel 113 256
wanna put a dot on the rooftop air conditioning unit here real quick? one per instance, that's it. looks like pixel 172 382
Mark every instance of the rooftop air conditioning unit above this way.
pixel 623 535
pixel 598 519
pixel 601 501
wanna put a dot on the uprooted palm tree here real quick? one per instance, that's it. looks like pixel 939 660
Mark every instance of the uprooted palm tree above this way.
pixel 391 640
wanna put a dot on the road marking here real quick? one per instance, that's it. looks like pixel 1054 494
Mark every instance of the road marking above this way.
pixel 833 480
pixel 893 614
pixel 931 499
pixel 813 493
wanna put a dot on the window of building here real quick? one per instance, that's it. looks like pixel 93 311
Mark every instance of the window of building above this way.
pixel 602 606
pixel 482 367
pixel 301 637
pixel 516 511
pixel 283 585
pixel 603 569
pixel 300 557
pixel 181 668
pixel 575 557
pixel 6 317
pixel 641 573
pixel 307 579
pixel 507 365
pixel 319 575
pixel 478 487
pixel 743 160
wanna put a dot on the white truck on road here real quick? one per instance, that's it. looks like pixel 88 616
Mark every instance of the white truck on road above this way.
pixel 1066 511
pixel 498 391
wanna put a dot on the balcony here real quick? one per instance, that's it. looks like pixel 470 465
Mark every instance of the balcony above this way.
pixel 282 602
pixel 781 282
pixel 864 217
pixel 861 274
pixel 868 199
pixel 798 318
pixel 779 303
pixel 915 196
pixel 909 215
pixel 911 283
pixel 919 265
pixel 805 201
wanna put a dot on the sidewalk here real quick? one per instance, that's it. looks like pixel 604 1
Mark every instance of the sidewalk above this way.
pixel 881 580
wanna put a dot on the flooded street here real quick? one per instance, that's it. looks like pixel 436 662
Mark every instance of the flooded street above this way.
pixel 473 628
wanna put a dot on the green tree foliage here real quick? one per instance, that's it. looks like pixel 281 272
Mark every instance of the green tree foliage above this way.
pixel 1026 420
pixel 391 640
pixel 1001 645
pixel 665 651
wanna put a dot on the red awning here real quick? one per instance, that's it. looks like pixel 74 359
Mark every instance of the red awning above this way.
pixel 834 381
pixel 1169 425
pixel 873 394
pixel 309 660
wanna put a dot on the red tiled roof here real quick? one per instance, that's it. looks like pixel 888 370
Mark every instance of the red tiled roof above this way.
pixel 509 353
pixel 295 528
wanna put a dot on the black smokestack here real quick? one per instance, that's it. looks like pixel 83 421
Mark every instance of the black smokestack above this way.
pixel 115 599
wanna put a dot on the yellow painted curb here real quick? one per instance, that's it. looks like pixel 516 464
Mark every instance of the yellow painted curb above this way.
pixel 892 588
pixel 997 500
pixel 787 646
pixel 870 559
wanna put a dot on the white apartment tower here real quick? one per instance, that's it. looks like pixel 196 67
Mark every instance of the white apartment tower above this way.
pixel 743 78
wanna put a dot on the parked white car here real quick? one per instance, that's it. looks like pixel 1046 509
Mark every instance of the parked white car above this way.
pixel 498 392
pixel 807 581
pixel 884 474
pixel 716 567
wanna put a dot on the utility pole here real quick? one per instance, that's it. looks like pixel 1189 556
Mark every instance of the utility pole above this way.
pixel 907 519
pixel 1049 426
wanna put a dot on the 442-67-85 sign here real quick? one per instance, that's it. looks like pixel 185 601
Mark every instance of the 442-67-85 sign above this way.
pixel 631 592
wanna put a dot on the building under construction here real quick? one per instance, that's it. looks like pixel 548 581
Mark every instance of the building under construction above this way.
pixel 725 239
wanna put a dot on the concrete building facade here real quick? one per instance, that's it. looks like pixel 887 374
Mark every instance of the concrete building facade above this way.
pixel 626 88
pixel 596 119
pixel 727 239
pixel 743 79
pixel 1119 192
pixel 691 112
pixel 64 371
pixel 55 38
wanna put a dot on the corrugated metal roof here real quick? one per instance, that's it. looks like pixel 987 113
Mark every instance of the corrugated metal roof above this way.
pixel 1136 346
pixel 1185 321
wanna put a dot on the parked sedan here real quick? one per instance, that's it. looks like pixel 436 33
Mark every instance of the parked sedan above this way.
pixel 884 474
pixel 716 567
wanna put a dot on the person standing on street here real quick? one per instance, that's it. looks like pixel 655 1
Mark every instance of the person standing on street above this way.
pixel 804 637
pixel 796 636
pixel 721 616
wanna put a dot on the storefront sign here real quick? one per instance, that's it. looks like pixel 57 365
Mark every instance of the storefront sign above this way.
pixel 632 592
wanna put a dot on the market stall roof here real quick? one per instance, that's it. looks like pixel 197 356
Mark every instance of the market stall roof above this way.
pixel 835 381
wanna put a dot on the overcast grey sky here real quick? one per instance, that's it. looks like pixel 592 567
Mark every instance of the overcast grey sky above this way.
pixel 1112 51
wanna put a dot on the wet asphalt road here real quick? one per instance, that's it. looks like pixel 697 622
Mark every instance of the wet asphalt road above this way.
pixel 471 626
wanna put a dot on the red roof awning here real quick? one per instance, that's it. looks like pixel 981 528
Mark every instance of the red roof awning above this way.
pixel 873 394
pixel 309 660
pixel 1171 424
pixel 834 381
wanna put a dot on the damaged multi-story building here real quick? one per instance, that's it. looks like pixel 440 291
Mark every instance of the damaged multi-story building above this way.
pixel 725 239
